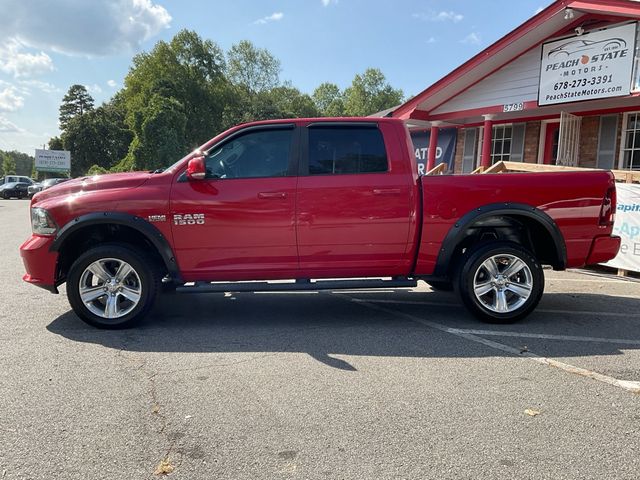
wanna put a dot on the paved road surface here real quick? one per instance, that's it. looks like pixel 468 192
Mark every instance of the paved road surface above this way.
pixel 355 385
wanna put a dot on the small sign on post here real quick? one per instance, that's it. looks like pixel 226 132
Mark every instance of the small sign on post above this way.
pixel 53 161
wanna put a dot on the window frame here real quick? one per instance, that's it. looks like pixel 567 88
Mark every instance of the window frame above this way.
pixel 304 146
pixel 502 154
pixel 623 140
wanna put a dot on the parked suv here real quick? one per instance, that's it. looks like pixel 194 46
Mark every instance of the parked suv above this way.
pixel 13 190
pixel 17 178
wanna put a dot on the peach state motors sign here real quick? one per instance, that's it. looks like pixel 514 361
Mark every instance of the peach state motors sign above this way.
pixel 594 65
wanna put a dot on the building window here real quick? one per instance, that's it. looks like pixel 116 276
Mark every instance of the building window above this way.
pixel 630 149
pixel 501 143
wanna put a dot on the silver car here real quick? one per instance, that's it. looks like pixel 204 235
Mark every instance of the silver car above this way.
pixel 49 182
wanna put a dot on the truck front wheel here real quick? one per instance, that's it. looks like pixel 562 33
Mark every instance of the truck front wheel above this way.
pixel 112 286
pixel 500 282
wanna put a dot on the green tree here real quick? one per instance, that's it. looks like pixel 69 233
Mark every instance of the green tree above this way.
pixel 329 100
pixel 174 98
pixel 279 102
pixel 8 165
pixel 76 102
pixel 253 68
pixel 160 133
pixel 21 163
pixel 55 143
pixel 291 103
pixel 99 137
pixel 97 170
pixel 370 93
pixel 80 138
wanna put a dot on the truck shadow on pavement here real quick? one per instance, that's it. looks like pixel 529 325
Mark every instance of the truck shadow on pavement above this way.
pixel 323 325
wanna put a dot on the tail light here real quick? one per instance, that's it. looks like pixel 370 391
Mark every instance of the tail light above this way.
pixel 608 208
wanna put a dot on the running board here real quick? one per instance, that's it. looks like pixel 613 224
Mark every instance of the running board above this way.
pixel 298 285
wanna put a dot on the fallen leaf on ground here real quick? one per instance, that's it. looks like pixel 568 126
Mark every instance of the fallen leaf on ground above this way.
pixel 165 467
pixel 156 408
pixel 532 412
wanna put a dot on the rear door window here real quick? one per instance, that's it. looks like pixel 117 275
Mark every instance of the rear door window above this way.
pixel 340 150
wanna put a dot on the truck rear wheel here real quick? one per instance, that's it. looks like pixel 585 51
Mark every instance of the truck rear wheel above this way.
pixel 112 286
pixel 500 282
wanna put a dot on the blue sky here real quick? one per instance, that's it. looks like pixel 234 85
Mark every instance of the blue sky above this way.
pixel 46 46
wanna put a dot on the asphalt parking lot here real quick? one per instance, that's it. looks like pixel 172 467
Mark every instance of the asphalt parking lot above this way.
pixel 366 385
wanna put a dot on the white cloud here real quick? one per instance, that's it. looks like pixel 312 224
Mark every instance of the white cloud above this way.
pixel 472 39
pixel 112 83
pixel 326 3
pixel 431 40
pixel 81 27
pixel 16 62
pixel 94 89
pixel 45 87
pixel 10 100
pixel 7 127
pixel 442 16
pixel 274 17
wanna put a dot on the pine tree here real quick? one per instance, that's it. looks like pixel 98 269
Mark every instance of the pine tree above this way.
pixel 76 102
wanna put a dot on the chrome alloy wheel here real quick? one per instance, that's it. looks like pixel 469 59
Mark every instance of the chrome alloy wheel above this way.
pixel 503 283
pixel 110 288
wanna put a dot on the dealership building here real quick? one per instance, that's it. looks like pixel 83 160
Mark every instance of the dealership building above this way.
pixel 563 88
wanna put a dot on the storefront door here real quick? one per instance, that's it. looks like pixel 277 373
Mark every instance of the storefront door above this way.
pixel 551 140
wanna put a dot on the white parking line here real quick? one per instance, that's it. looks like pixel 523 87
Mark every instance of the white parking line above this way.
pixel 627 385
pixel 569 338
pixel 584 280
pixel 541 310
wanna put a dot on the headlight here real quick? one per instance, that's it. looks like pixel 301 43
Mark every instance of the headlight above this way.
pixel 41 222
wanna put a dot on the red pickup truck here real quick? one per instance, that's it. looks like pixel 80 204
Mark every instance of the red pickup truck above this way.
pixel 323 203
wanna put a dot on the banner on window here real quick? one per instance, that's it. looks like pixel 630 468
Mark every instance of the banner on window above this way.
pixel 445 151
pixel 627 226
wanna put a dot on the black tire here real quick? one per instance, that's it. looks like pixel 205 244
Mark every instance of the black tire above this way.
pixel 146 278
pixel 499 304
pixel 441 286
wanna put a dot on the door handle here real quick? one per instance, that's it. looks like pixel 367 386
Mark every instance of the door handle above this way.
pixel 271 195
pixel 386 191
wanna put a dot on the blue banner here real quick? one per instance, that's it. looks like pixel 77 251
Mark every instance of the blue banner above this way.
pixel 445 151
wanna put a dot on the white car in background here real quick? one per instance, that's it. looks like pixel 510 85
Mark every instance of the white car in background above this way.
pixel 17 179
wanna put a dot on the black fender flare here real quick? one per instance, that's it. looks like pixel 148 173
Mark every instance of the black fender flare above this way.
pixel 455 234
pixel 149 231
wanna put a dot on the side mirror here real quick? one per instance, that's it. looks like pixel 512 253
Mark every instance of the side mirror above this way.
pixel 196 169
